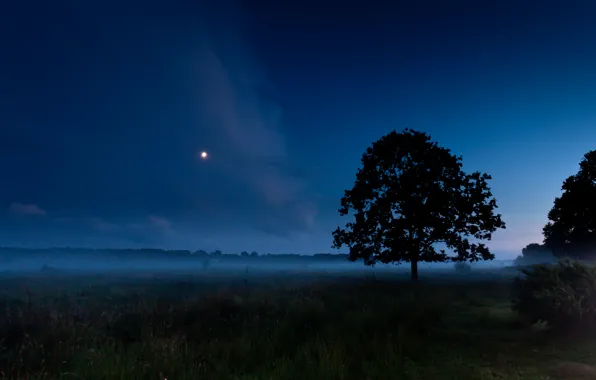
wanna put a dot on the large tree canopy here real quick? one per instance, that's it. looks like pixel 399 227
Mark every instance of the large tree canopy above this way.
pixel 410 195
pixel 571 230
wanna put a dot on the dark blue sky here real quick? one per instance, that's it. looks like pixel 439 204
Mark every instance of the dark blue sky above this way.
pixel 106 104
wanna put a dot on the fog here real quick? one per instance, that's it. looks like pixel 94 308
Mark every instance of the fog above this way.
pixel 80 262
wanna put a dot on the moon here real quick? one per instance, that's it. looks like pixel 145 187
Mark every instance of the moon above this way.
pixel 204 155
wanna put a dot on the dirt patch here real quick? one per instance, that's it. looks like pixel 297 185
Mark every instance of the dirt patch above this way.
pixel 573 371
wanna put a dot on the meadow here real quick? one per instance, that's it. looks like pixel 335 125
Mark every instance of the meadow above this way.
pixel 266 325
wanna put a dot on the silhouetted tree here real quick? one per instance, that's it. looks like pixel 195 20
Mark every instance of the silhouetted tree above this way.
pixel 203 257
pixel 216 253
pixel 535 253
pixel 254 254
pixel 244 254
pixel 571 230
pixel 411 194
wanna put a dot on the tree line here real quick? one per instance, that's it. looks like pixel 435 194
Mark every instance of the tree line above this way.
pixel 10 253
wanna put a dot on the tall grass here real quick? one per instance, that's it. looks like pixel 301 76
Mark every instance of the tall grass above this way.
pixel 268 328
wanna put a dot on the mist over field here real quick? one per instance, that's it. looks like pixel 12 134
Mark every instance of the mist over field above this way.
pixel 81 261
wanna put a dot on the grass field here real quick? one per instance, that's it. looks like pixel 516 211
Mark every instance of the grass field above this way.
pixel 275 326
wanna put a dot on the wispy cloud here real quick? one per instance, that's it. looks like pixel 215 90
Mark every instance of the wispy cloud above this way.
pixel 22 209
pixel 160 222
pixel 249 124
pixel 144 231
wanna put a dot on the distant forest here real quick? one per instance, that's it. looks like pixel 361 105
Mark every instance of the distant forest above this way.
pixel 10 254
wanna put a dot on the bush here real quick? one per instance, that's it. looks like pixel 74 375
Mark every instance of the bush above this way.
pixel 535 253
pixel 562 295
pixel 461 267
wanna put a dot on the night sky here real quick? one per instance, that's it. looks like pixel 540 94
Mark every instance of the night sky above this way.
pixel 106 105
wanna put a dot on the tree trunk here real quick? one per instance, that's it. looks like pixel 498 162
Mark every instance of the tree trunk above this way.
pixel 414 271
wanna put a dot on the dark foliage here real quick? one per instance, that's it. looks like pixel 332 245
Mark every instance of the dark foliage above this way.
pixel 535 253
pixel 561 294
pixel 410 195
pixel 202 257
pixel 571 230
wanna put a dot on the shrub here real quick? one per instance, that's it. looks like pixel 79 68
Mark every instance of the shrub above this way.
pixel 535 253
pixel 562 294
pixel 462 267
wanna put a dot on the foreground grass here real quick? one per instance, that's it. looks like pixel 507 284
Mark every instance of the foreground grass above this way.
pixel 272 328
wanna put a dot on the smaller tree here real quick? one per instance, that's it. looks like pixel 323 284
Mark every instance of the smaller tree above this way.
pixel 203 257
pixel 244 254
pixel 535 253
pixel 411 195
